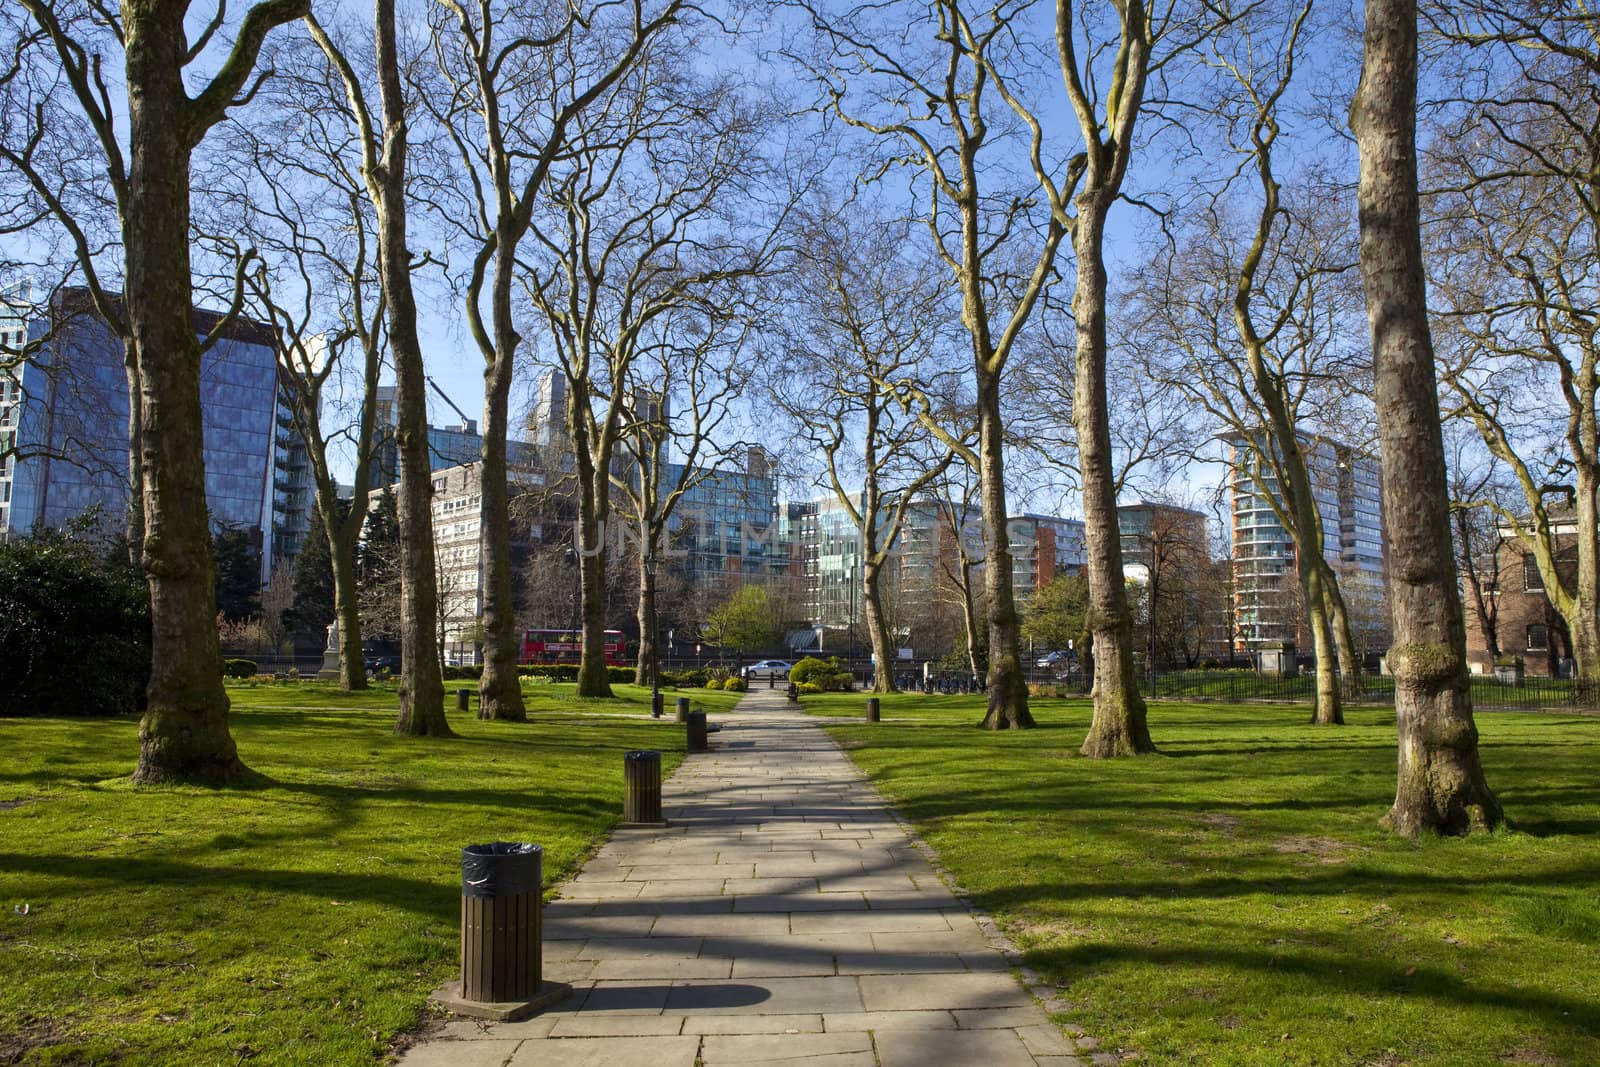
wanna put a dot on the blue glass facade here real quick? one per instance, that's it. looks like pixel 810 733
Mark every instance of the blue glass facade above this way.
pixel 72 431
pixel 726 523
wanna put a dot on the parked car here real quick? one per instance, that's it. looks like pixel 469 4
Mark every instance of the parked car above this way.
pixel 775 669
pixel 377 665
pixel 1057 659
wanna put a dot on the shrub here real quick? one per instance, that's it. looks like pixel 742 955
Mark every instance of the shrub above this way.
pixel 734 684
pixel 238 668
pixel 829 675
pixel 808 687
pixel 690 679
pixel 74 627
pixel 713 683
pixel 812 669
pixel 456 674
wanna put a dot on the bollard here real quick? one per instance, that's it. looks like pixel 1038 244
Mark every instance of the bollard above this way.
pixel 772 679
pixel 501 956
pixel 462 696
pixel 641 801
pixel 656 700
pixel 697 732
pixel 683 709
pixel 793 693
pixel 872 709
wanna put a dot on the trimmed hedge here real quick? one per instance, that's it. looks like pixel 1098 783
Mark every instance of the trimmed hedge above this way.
pixel 568 672
pixel 734 684
pixel 238 668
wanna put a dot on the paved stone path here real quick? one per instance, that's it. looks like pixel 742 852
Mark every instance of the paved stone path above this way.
pixel 782 918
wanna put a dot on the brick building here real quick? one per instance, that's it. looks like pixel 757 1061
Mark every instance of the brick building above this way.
pixel 1524 620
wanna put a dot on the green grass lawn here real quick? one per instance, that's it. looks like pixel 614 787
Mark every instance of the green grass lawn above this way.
pixel 1232 900
pixel 303 919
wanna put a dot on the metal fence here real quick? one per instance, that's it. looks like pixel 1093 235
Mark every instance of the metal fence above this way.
pixel 1242 685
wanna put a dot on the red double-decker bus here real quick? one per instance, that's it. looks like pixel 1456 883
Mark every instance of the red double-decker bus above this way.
pixel 566 646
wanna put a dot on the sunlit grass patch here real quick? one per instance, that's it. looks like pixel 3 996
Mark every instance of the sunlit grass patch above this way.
pixel 1233 899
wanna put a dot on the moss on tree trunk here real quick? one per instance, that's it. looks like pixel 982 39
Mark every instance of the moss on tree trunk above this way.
pixel 1441 787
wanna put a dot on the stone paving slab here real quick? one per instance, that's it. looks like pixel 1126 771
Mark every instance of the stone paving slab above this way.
pixel 782 918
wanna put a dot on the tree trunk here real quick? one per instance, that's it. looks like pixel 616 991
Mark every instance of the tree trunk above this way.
pixel 1583 625
pixel 969 618
pixel 877 625
pixel 593 678
pixel 421 682
pixel 644 669
pixel 1086 660
pixel 1119 727
pixel 134 531
pixel 500 687
pixel 1327 711
pixel 347 608
pixel 1441 786
pixel 184 734
pixel 1007 685
pixel 1344 643
pixel 1584 635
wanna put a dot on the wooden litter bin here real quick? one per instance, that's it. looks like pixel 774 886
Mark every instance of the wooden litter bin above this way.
pixel 641 800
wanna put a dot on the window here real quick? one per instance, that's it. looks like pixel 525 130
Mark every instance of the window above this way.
pixel 1532 580
pixel 1538 638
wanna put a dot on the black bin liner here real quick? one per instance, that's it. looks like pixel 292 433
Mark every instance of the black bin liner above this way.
pixel 501 869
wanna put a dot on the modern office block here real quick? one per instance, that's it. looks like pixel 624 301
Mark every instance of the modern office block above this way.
pixel 67 407
pixel 1347 485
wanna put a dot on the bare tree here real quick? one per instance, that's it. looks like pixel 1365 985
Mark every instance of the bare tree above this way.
pixel 1145 42
pixel 1480 493
pixel 517 80
pixel 872 321
pixel 1257 320
pixel 1176 561
pixel 1441 785
pixel 384 144
pixel 686 382
pixel 1516 225
pixel 303 200
pixel 943 101
pixel 62 193
pixel 640 219
pixel 960 508
pixel 184 733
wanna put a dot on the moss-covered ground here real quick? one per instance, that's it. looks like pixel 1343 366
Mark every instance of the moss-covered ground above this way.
pixel 1233 899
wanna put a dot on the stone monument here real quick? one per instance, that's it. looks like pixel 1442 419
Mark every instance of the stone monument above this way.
pixel 330 657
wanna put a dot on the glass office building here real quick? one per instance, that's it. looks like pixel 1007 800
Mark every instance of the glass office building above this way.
pixel 70 419
pixel 1347 485
pixel 727 522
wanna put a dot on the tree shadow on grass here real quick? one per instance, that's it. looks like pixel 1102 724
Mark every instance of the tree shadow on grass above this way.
pixel 1348 973
pixel 1334 881
pixel 436 899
